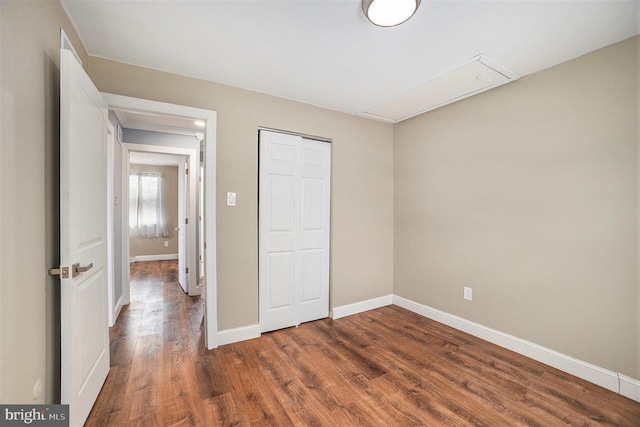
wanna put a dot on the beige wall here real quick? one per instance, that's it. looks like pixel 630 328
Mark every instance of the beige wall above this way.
pixel 29 190
pixel 362 173
pixel 155 245
pixel 528 194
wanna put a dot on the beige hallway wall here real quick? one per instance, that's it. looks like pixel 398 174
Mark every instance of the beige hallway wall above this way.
pixel 362 183
pixel 528 194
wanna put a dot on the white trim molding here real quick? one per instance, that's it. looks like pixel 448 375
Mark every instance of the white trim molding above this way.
pixel 362 306
pixel 629 387
pixel 117 310
pixel 595 374
pixel 229 336
pixel 159 257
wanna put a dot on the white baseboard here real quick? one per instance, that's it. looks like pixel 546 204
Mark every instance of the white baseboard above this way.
pixel 605 378
pixel 587 371
pixel 229 336
pixel 359 307
pixel 629 387
pixel 161 257
pixel 118 309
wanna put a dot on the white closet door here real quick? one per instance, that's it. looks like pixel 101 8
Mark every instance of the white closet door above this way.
pixel 278 222
pixel 293 230
pixel 315 200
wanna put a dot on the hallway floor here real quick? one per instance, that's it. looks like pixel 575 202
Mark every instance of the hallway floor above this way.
pixel 152 343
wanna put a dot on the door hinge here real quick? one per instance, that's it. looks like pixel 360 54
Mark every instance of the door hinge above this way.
pixel 186 171
pixel 186 270
pixel 63 272
pixel 186 220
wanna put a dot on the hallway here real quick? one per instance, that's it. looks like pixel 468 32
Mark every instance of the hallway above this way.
pixel 154 336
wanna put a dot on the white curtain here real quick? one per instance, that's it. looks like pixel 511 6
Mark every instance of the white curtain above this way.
pixel 146 210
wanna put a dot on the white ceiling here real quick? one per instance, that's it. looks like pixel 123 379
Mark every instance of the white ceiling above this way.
pixel 325 52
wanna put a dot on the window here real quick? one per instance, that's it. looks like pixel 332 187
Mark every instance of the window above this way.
pixel 146 211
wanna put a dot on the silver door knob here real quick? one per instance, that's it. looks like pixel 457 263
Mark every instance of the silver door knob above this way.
pixel 76 269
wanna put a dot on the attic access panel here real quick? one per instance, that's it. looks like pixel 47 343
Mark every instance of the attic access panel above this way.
pixel 475 76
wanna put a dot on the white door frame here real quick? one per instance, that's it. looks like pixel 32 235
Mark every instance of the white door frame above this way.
pixel 191 287
pixel 111 142
pixel 210 118
pixel 124 231
pixel 185 194
pixel 113 200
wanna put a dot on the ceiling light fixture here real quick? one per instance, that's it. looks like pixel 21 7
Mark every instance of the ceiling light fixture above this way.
pixel 389 13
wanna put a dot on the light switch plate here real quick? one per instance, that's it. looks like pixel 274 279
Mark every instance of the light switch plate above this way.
pixel 231 198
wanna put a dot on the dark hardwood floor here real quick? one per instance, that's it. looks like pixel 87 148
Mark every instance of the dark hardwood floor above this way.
pixel 385 367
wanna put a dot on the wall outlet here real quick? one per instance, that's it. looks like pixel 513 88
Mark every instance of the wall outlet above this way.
pixel 166 243
pixel 468 294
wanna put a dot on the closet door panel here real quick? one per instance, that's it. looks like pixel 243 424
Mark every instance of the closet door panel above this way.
pixel 278 224
pixel 315 231
pixel 294 211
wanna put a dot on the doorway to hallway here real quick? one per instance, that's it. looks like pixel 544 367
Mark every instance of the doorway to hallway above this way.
pixel 207 157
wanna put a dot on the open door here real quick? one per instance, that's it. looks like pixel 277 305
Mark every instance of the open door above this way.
pixel 83 239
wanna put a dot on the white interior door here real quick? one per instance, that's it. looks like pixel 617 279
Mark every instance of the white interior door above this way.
pixel 315 199
pixel 181 229
pixel 83 239
pixel 294 233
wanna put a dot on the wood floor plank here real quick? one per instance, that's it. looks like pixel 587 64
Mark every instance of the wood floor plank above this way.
pixel 108 410
pixel 362 361
pixel 144 385
pixel 384 367
pixel 225 411
pixel 259 403
pixel 179 404
pixel 212 381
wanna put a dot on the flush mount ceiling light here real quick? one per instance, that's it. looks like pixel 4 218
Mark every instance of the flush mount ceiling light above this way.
pixel 388 13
